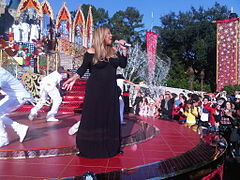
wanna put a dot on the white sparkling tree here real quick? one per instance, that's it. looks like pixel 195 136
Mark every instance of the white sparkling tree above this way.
pixel 138 70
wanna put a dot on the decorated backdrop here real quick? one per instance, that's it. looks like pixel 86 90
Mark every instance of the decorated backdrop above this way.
pixel 227 53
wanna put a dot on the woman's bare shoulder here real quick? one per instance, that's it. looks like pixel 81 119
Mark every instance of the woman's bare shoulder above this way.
pixel 91 51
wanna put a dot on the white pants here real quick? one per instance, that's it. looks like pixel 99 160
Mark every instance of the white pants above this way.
pixel 8 105
pixel 24 36
pixel 121 102
pixel 55 96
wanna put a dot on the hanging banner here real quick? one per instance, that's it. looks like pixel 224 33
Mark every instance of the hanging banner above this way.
pixel 227 53
pixel 151 41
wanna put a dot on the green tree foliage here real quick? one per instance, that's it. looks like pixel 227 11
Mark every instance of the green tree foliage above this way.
pixel 230 89
pixel 127 25
pixel 189 39
pixel 177 76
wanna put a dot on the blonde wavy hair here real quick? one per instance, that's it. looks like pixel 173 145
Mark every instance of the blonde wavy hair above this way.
pixel 102 51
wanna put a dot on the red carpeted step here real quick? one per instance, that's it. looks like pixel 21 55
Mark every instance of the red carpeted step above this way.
pixel 72 100
pixel 27 108
pixel 64 108
pixel 69 110
pixel 77 88
pixel 64 103
pixel 78 82
pixel 74 94
pixel 81 81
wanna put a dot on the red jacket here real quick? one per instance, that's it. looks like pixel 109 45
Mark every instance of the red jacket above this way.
pixel 211 112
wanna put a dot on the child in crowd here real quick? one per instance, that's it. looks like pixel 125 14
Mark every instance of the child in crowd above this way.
pixel 137 102
pixel 144 107
pixel 151 109
pixel 191 114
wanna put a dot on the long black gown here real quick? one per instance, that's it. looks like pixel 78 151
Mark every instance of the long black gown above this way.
pixel 99 134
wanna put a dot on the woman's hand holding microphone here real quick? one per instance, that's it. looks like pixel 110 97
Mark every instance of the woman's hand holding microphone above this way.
pixel 122 44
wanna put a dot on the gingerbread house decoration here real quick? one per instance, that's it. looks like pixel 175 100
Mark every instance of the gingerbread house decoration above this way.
pixel 47 9
pixel 64 15
pixel 89 27
pixel 79 22
pixel 25 4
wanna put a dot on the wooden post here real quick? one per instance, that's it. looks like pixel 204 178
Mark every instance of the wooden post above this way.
pixel 47 64
pixel 191 78
pixel 202 74
pixel 56 60
pixel 37 64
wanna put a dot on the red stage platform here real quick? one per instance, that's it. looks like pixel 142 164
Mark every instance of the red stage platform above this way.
pixel 152 148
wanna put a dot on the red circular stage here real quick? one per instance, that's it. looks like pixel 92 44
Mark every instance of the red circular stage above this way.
pixel 49 152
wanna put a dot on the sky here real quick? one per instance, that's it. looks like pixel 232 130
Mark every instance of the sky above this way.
pixel 151 10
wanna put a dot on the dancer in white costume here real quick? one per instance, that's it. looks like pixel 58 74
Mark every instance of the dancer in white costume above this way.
pixel 25 31
pixel 16 31
pixel 15 96
pixel 72 130
pixel 120 83
pixel 48 87
pixel 34 34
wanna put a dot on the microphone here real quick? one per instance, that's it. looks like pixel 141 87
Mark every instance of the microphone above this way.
pixel 123 44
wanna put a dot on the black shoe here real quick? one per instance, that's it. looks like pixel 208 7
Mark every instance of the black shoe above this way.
pixel 79 154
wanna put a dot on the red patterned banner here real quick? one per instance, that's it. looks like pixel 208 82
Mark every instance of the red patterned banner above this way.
pixel 227 20
pixel 227 53
pixel 151 41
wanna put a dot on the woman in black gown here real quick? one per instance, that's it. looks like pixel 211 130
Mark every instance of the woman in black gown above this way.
pixel 98 135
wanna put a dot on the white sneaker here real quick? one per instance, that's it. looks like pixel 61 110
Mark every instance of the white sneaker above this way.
pixel 31 116
pixel 52 119
pixel 3 141
pixel 123 122
pixel 22 131
pixel 74 128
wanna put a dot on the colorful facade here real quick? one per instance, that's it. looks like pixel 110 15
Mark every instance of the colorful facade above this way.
pixel 86 27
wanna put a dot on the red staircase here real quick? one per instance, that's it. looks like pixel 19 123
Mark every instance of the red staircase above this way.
pixel 72 100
